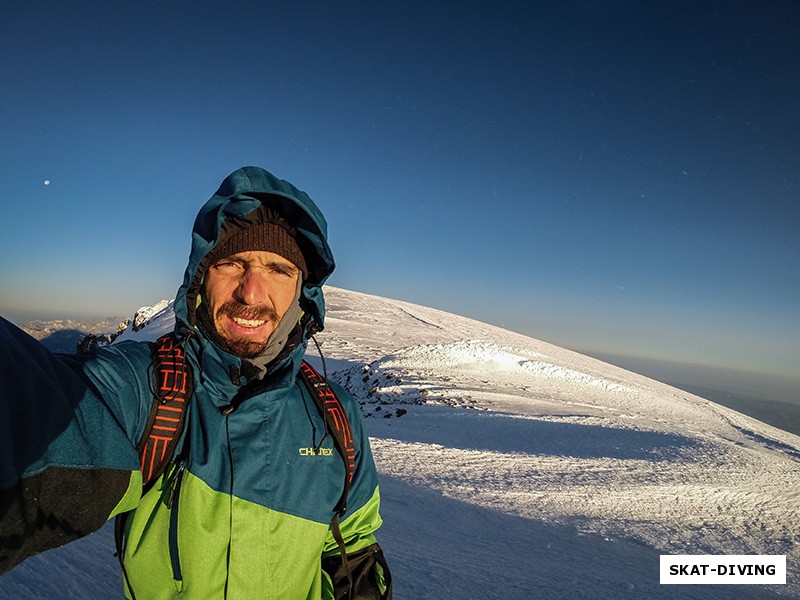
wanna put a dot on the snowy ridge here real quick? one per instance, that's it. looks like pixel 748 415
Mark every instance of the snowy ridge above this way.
pixel 150 322
pixel 514 469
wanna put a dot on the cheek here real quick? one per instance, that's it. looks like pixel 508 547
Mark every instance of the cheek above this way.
pixel 282 302
pixel 216 293
pixel 284 296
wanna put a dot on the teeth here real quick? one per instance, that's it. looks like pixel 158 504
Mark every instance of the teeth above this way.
pixel 247 322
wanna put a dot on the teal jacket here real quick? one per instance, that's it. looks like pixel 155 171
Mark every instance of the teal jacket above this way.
pixel 245 510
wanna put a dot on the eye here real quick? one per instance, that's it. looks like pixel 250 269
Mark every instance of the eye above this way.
pixel 280 269
pixel 283 271
pixel 228 266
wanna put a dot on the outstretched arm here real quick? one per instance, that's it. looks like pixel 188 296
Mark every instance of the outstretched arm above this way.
pixel 66 463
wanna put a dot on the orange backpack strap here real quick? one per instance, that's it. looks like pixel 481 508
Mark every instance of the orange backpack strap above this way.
pixel 337 425
pixel 172 379
pixel 173 388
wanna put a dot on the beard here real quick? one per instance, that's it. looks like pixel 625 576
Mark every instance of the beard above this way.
pixel 242 346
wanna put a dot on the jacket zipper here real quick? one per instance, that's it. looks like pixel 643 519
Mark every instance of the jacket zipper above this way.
pixel 173 502
pixel 230 500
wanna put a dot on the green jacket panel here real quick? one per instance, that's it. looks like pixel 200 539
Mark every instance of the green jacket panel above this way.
pixel 254 553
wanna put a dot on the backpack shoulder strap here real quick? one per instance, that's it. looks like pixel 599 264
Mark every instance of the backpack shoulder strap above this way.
pixel 173 388
pixel 172 379
pixel 337 425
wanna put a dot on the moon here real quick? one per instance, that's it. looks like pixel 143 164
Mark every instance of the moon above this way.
pixel 47 182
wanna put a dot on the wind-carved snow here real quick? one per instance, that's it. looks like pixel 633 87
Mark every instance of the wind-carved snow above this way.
pixel 513 469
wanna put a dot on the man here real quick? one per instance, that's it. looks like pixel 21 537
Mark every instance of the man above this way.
pixel 245 509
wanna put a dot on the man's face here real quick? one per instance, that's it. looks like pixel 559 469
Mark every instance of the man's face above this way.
pixel 248 294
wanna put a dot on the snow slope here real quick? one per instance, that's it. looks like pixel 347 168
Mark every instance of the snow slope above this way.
pixel 517 469
pixel 604 468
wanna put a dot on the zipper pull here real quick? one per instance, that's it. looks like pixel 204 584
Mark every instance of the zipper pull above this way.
pixel 176 482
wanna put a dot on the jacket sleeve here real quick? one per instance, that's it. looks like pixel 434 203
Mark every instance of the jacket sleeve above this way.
pixel 66 462
pixel 364 569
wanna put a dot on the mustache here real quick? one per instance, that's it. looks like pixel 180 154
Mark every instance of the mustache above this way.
pixel 253 313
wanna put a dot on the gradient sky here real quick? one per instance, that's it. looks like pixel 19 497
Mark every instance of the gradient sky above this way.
pixel 611 176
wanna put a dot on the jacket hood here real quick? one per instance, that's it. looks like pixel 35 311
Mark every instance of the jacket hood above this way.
pixel 241 200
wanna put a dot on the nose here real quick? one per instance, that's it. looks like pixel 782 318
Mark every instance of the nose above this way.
pixel 252 289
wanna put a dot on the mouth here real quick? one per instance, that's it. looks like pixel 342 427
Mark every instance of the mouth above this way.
pixel 247 328
pixel 237 325
pixel 248 323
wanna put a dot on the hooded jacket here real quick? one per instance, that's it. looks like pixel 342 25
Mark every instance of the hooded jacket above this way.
pixel 245 510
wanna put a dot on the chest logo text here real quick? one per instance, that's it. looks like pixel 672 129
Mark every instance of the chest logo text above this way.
pixel 316 451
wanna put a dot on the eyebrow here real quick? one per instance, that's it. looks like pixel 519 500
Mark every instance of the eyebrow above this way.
pixel 286 265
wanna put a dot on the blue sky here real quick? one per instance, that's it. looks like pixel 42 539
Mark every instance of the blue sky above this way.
pixel 620 177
